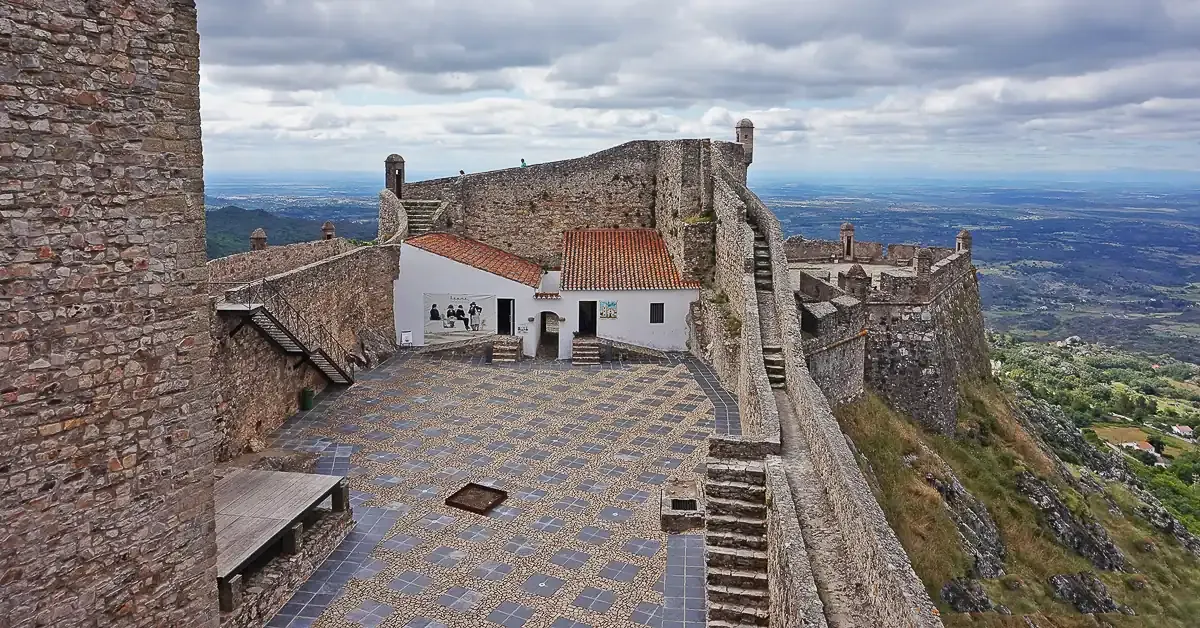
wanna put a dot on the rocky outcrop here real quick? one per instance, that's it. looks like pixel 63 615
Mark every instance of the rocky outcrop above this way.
pixel 966 595
pixel 1059 434
pixel 977 530
pixel 1083 534
pixel 1086 593
pixel 1157 516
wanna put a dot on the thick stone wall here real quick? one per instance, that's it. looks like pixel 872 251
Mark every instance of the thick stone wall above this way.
pixel 799 249
pixel 105 425
pixel 349 295
pixel 918 352
pixel 812 289
pixel 894 595
pixel 794 602
pixel 271 261
pixel 683 208
pixel 526 210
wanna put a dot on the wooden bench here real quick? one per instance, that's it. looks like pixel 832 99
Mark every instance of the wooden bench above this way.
pixel 257 508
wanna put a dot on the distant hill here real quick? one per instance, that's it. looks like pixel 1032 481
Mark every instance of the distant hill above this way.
pixel 228 229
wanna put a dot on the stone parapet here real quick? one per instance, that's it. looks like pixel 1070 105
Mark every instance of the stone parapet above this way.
pixel 267 586
pixel 272 260
pixel 795 602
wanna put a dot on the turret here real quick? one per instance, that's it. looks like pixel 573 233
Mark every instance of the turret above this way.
pixel 856 282
pixel 963 241
pixel 258 239
pixel 327 230
pixel 745 136
pixel 847 233
pixel 394 177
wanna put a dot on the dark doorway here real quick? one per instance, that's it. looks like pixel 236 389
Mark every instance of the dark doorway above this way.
pixel 548 337
pixel 587 318
pixel 504 317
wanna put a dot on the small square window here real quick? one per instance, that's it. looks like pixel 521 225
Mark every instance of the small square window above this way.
pixel 656 312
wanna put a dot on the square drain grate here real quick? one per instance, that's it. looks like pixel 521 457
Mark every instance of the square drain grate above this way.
pixel 683 504
pixel 476 498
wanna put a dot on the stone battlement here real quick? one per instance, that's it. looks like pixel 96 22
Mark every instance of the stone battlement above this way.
pixel 922 327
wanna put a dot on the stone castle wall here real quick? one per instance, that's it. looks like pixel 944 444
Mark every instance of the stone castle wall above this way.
pixel 526 210
pixel 877 561
pixel 106 477
pixel 794 601
pixel 801 250
pixel 918 351
pixel 393 220
pixel 683 209
pixel 271 261
pixel 258 386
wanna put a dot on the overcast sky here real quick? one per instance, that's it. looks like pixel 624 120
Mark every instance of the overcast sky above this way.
pixel 851 85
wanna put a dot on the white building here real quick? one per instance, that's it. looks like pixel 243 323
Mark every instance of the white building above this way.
pixel 615 284
pixel 1182 430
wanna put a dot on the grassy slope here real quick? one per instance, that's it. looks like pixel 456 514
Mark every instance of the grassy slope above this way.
pixel 987 465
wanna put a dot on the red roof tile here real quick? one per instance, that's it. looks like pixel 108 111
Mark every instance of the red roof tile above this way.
pixel 619 259
pixel 482 256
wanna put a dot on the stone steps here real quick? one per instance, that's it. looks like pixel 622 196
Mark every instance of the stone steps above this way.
pixel 753 598
pixel 740 525
pixel 731 489
pixel 741 578
pixel 735 540
pixel 738 613
pixel 585 352
pixel 420 215
pixel 748 471
pixel 737 508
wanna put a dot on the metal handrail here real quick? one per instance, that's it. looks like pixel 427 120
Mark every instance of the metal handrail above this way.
pixel 312 336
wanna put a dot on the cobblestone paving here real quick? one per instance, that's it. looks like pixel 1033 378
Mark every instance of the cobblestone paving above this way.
pixel 582 454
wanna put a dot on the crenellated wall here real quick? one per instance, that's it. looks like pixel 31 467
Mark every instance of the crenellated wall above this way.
pixel 106 424
pixel 799 249
pixel 258 386
pixel 271 261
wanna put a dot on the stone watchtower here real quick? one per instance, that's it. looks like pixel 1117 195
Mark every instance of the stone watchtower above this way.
pixel 963 241
pixel 394 175
pixel 258 239
pixel 327 230
pixel 745 137
pixel 856 282
pixel 847 233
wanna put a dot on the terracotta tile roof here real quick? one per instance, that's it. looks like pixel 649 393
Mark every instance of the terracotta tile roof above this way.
pixel 618 259
pixel 482 256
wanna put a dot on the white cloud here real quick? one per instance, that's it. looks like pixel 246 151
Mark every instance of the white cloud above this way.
pixel 856 84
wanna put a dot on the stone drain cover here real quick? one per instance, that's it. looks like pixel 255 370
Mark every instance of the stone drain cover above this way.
pixel 476 498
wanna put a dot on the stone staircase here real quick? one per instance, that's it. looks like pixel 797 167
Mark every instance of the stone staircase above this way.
pixel 506 349
pixel 585 351
pixel 736 543
pixel 763 279
pixel 764 284
pixel 420 215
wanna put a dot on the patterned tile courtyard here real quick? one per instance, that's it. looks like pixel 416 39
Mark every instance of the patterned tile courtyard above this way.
pixel 582 453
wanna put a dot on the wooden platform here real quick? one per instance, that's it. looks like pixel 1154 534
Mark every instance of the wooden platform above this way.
pixel 257 508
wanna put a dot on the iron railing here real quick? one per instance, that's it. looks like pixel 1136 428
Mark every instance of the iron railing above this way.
pixel 312 336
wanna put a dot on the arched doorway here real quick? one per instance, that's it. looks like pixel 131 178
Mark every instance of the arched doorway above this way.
pixel 548 325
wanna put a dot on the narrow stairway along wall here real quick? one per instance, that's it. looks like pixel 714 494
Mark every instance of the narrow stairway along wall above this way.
pixel 886 590
pixel 259 385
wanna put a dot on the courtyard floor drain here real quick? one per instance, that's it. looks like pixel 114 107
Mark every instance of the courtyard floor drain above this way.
pixel 476 498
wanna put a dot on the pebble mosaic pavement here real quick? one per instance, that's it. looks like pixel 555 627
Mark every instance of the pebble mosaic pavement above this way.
pixel 582 452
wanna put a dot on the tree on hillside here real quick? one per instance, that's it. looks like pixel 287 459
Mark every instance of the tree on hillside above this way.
pixel 1157 443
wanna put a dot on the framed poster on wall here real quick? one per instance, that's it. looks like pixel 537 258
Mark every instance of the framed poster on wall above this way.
pixel 607 309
